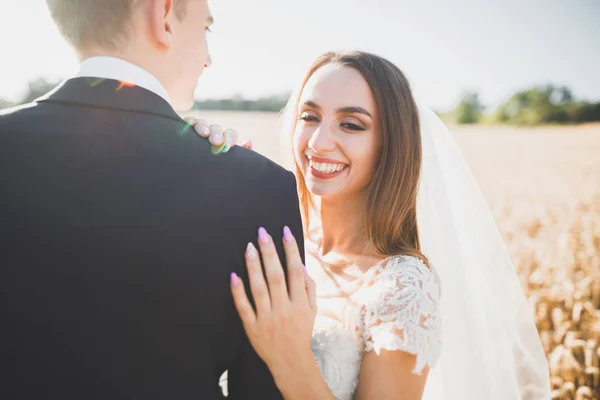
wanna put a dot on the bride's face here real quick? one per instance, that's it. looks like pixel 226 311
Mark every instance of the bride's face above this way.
pixel 337 139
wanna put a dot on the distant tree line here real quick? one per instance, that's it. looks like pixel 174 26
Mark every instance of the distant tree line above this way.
pixel 268 104
pixel 538 105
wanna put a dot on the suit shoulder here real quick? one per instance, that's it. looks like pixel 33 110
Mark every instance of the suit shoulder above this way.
pixel 17 119
pixel 254 163
pixel 16 110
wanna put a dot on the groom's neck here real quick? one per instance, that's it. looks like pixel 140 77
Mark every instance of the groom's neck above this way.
pixel 99 52
pixel 145 59
pixel 142 58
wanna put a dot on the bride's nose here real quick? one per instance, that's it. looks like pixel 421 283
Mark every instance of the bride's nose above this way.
pixel 322 139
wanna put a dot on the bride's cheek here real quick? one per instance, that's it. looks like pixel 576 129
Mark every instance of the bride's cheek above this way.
pixel 299 143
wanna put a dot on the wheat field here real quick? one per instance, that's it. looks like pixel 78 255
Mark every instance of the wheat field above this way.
pixel 543 186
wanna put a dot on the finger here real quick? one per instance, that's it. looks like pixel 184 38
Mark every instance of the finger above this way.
pixel 258 285
pixel 231 138
pixel 216 135
pixel 201 128
pixel 311 290
pixel 240 299
pixel 273 270
pixel 296 281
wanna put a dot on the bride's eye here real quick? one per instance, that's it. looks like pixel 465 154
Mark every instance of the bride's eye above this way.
pixel 352 127
pixel 308 117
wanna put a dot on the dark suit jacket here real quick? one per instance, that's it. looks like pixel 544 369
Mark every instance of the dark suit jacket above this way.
pixel 118 233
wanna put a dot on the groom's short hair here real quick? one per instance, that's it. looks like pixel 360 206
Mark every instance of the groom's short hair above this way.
pixel 102 23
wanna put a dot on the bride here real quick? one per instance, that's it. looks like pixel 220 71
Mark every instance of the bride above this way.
pixel 411 291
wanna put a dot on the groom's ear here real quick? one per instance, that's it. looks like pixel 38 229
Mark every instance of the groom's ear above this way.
pixel 162 18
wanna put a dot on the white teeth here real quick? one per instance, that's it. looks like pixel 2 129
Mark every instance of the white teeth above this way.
pixel 325 167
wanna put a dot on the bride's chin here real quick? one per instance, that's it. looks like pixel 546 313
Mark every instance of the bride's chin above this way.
pixel 319 189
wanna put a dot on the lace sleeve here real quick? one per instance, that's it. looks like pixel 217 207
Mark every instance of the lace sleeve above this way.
pixel 402 311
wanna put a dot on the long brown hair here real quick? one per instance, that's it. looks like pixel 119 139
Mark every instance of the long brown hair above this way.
pixel 392 194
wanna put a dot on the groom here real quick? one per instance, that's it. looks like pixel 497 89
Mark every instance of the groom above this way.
pixel 119 228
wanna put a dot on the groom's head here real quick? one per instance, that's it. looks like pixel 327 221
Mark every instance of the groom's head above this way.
pixel 165 37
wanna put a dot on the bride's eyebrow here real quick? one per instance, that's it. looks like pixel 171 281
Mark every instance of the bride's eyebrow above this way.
pixel 342 110
pixel 353 110
pixel 311 104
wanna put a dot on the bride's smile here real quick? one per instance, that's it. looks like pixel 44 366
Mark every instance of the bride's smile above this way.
pixel 325 168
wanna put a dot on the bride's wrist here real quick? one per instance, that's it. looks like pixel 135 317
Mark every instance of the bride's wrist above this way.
pixel 290 375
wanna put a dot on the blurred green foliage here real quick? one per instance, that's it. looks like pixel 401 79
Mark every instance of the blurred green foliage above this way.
pixel 469 109
pixel 273 103
pixel 539 105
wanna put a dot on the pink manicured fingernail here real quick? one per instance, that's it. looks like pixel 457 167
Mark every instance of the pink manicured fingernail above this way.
pixel 235 281
pixel 287 235
pixel 217 139
pixel 251 251
pixel 263 236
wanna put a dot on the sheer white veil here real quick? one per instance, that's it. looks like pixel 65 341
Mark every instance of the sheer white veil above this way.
pixel 490 345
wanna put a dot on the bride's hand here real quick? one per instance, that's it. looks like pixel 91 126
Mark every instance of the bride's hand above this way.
pixel 280 329
pixel 221 140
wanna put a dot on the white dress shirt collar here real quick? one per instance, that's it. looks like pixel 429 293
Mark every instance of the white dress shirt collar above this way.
pixel 121 70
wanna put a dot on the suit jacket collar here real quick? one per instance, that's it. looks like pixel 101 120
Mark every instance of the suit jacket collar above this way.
pixel 123 71
pixel 110 94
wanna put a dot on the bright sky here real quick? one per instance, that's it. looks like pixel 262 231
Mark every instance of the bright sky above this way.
pixel 261 47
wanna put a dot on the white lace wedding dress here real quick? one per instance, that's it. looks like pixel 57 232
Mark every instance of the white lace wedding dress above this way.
pixel 394 306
